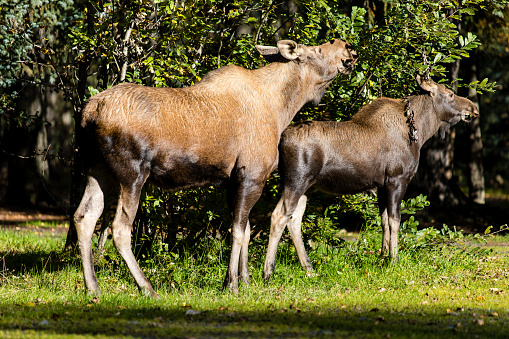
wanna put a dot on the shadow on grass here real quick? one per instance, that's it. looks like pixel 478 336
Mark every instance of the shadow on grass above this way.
pixel 108 319
pixel 39 260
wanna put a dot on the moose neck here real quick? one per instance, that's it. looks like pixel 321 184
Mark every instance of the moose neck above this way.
pixel 286 87
pixel 427 121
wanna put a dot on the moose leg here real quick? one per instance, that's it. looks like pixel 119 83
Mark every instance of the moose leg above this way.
pixel 243 194
pixel 278 222
pixel 382 207
pixel 395 192
pixel 294 226
pixel 85 219
pixel 103 231
pixel 244 257
pixel 286 209
pixel 121 230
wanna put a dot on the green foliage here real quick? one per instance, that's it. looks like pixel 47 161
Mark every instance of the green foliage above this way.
pixel 31 48
pixel 96 44
pixel 411 37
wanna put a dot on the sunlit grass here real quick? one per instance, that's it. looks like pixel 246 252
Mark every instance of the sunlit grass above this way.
pixel 350 294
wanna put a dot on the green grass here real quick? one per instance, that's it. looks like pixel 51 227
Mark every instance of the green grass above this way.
pixel 440 292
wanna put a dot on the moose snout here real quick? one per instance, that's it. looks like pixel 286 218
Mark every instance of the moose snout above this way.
pixel 471 113
pixel 348 63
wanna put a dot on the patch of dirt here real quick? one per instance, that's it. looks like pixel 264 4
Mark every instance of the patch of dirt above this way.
pixel 50 220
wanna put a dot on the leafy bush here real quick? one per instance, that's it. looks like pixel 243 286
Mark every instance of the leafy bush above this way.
pixel 168 43
pixel 413 37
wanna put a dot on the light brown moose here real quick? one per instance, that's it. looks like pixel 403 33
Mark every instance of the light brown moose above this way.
pixel 377 149
pixel 224 129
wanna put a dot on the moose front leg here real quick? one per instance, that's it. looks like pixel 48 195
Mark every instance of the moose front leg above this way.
pixel 395 192
pixel 243 194
pixel 384 220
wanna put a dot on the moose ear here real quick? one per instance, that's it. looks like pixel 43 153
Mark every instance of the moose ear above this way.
pixel 267 50
pixel 271 54
pixel 428 85
pixel 290 50
pixel 286 49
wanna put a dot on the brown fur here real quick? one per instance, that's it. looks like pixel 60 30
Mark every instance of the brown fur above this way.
pixel 224 129
pixel 374 150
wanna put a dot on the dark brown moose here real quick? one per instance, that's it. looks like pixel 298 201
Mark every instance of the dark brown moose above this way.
pixel 225 129
pixel 377 149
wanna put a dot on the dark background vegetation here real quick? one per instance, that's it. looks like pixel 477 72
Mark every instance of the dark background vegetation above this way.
pixel 54 55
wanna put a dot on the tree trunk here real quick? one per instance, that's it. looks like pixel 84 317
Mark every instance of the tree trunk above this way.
pixel 475 175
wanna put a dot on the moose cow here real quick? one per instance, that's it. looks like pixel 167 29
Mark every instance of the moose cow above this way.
pixel 377 149
pixel 223 130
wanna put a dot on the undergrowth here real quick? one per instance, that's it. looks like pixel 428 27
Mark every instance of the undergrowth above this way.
pixel 442 284
pixel 425 254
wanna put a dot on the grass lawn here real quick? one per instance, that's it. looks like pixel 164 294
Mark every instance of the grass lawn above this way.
pixel 459 291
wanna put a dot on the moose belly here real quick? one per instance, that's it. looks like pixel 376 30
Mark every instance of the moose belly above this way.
pixel 347 182
pixel 186 173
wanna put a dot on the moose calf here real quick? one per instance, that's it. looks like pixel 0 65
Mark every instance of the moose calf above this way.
pixel 378 148
pixel 225 129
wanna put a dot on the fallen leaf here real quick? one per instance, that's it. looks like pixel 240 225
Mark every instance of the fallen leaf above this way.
pixel 192 312
pixel 480 322
pixel 493 314
pixel 96 300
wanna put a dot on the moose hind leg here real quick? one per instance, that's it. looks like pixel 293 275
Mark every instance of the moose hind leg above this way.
pixel 121 231
pixel 85 219
pixel 278 222
pixel 294 226
pixel 244 255
pixel 290 206
pixel 103 231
